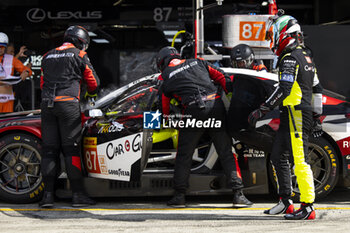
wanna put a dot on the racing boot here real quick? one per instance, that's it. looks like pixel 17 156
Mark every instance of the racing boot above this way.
pixel 305 212
pixel 178 200
pixel 80 200
pixel 47 201
pixel 239 200
pixel 284 206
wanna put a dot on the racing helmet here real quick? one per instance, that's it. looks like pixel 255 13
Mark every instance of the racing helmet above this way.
pixel 4 40
pixel 242 56
pixel 165 55
pixel 287 34
pixel 78 36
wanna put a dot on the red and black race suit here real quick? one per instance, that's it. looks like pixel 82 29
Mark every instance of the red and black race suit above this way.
pixel 188 80
pixel 63 70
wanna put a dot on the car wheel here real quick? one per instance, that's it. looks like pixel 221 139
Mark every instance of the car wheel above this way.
pixel 325 167
pixel 20 176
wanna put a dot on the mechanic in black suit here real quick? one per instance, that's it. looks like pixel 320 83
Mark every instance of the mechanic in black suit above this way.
pixel 63 70
pixel 190 82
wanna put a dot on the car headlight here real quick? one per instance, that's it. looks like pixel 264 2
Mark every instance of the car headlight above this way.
pixel 95 113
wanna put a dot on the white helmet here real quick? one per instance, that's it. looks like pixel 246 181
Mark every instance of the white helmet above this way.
pixel 4 40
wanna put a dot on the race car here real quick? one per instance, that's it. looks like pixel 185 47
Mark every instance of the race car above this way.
pixel 124 156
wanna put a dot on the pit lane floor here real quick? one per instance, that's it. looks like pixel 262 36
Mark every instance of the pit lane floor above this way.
pixel 203 214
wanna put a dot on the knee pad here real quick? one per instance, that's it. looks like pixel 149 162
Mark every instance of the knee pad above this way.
pixel 48 167
pixel 49 160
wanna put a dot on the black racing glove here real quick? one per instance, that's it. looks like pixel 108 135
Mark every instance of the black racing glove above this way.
pixel 317 126
pixel 257 114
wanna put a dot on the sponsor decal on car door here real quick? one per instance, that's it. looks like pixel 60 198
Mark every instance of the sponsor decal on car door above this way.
pixel 113 159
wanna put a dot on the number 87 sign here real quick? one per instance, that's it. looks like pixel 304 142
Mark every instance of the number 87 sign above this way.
pixel 245 29
pixel 252 31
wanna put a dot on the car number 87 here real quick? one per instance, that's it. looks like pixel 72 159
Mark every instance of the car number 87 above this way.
pixel 91 160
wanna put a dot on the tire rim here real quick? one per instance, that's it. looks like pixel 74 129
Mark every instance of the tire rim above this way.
pixel 320 166
pixel 19 168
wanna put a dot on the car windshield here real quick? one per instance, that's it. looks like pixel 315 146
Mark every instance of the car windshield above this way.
pixel 108 101
pixel 137 100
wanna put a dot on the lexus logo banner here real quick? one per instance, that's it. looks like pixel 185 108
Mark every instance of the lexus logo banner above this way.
pixel 37 15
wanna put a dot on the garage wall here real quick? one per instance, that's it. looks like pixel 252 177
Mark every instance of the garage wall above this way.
pixel 331 49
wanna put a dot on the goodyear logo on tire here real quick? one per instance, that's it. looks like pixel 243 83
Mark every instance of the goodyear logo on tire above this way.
pixel 17 138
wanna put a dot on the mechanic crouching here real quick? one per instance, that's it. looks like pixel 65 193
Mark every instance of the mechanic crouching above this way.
pixel 189 81
pixel 299 96
pixel 63 69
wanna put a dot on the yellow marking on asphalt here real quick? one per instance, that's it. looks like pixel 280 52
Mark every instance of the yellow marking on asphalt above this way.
pixel 157 209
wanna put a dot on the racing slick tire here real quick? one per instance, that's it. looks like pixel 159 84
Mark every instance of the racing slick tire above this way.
pixel 325 167
pixel 20 176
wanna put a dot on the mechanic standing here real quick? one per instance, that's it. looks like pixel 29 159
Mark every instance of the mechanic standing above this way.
pixel 299 95
pixel 63 69
pixel 8 65
pixel 190 83
pixel 242 56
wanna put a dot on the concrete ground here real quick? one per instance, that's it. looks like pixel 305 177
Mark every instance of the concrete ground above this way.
pixel 203 214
